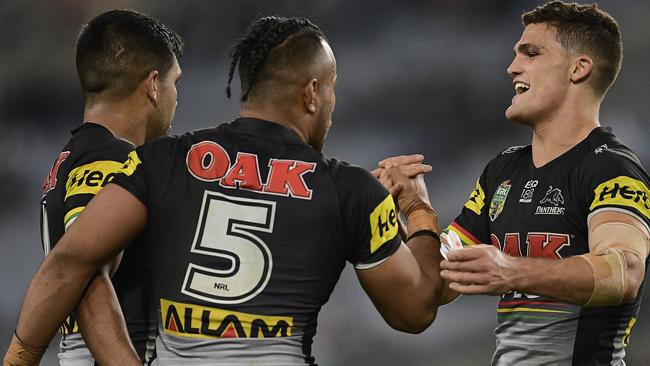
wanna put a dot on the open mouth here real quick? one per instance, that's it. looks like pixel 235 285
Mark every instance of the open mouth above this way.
pixel 521 87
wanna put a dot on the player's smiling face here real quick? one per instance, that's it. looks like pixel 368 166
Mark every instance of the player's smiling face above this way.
pixel 540 75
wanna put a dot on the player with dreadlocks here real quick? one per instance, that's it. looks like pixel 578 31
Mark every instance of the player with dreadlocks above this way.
pixel 249 226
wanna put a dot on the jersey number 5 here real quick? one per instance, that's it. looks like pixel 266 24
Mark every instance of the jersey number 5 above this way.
pixel 242 262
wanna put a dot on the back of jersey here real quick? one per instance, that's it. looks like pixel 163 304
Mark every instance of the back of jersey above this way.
pixel 248 230
pixel 89 161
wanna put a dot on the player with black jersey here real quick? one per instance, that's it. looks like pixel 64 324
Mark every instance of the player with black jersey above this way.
pixel 90 160
pixel 545 212
pixel 127 67
pixel 567 216
pixel 248 226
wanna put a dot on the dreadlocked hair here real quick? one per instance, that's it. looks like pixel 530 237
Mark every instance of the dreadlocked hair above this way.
pixel 251 51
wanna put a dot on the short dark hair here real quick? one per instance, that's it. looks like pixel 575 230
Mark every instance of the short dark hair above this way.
pixel 119 48
pixel 272 45
pixel 584 29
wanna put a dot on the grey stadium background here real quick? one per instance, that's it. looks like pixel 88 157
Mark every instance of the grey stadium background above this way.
pixel 413 76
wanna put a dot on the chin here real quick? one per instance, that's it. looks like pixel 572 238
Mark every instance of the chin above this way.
pixel 520 120
pixel 515 116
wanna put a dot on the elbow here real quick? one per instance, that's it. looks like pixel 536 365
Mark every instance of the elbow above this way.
pixel 632 288
pixel 65 263
pixel 634 274
pixel 413 322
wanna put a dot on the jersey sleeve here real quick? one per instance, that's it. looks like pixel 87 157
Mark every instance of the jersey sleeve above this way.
pixel 369 217
pixel 132 175
pixel 89 175
pixel 614 182
pixel 472 225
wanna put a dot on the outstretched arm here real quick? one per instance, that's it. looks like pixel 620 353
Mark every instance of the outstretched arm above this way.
pixel 411 166
pixel 406 288
pixel 111 220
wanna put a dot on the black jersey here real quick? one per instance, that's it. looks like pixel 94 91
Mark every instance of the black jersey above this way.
pixel 248 230
pixel 87 163
pixel 544 212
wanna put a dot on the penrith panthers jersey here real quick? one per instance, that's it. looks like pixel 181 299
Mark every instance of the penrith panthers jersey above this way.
pixel 248 231
pixel 544 212
pixel 91 159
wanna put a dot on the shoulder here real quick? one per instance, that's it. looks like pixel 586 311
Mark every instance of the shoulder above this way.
pixel 613 175
pixel 507 158
pixel 95 142
pixel 513 150
pixel 611 156
pixel 163 148
pixel 604 150
pixel 347 176
pixel 513 153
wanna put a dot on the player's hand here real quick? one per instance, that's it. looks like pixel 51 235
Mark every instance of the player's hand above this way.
pixel 411 192
pixel 478 270
pixel 408 165
pixel 401 160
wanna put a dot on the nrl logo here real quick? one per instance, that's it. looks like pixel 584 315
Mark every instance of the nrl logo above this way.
pixel 554 197
pixel 601 148
pixel 499 199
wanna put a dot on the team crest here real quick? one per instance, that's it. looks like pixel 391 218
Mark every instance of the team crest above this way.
pixel 553 196
pixel 499 199
pixel 553 200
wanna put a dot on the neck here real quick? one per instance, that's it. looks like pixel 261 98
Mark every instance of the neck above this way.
pixel 275 115
pixel 565 129
pixel 121 118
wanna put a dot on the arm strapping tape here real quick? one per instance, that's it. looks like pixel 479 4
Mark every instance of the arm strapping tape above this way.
pixel 608 243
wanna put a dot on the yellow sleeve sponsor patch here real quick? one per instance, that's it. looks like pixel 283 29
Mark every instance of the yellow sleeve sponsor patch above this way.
pixel 623 191
pixel 476 199
pixel 131 163
pixel 383 223
pixel 91 178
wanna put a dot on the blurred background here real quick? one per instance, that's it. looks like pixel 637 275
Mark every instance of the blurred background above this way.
pixel 413 76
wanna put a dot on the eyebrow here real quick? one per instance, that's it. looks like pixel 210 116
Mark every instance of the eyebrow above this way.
pixel 526 48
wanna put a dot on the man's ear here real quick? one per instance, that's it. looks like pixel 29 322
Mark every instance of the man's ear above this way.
pixel 310 96
pixel 151 86
pixel 581 69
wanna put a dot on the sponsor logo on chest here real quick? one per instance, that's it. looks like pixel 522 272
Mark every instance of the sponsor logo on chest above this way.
pixel 552 203
pixel 528 191
pixel 535 244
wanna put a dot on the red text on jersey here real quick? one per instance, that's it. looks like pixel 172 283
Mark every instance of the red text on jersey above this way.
pixel 539 245
pixel 209 162
pixel 50 180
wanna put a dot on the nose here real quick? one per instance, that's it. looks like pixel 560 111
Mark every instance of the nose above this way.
pixel 514 69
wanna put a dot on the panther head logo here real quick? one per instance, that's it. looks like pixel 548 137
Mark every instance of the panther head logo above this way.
pixel 553 196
